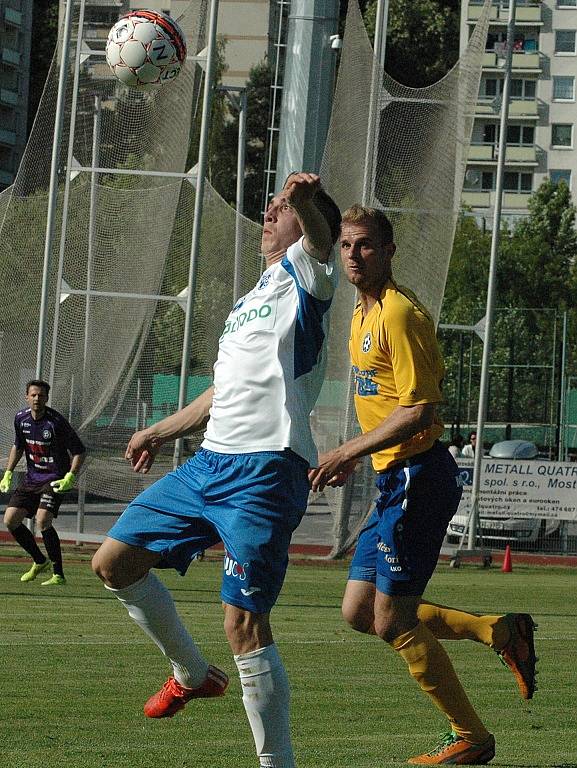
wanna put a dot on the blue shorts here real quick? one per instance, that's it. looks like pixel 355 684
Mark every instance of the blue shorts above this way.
pixel 399 546
pixel 251 502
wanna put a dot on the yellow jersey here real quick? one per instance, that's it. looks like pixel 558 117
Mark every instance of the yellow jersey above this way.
pixel 396 361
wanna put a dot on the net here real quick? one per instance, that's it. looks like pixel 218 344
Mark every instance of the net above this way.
pixel 414 144
pixel 121 245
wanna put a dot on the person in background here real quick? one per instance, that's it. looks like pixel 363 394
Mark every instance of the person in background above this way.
pixel 54 455
pixel 455 447
pixel 468 451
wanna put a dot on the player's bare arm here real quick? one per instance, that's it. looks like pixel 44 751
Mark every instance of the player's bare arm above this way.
pixel 402 424
pixel 145 444
pixel 299 190
pixel 77 462
pixel 14 457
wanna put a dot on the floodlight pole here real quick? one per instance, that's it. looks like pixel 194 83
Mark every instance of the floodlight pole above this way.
pixel 379 52
pixel 240 170
pixel 53 187
pixel 66 195
pixel 196 225
pixel 484 384
pixel 241 106
pixel 562 448
pixel 379 48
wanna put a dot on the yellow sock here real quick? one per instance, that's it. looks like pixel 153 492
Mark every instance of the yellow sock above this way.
pixel 451 624
pixel 432 669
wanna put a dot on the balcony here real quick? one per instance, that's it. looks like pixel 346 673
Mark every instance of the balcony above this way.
pixel 488 153
pixel 8 97
pixel 517 108
pixel 528 12
pixel 9 56
pixel 526 62
pixel 511 200
pixel 8 138
pixel 12 17
pixel 94 32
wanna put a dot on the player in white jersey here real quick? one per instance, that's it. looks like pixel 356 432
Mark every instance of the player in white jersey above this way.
pixel 248 484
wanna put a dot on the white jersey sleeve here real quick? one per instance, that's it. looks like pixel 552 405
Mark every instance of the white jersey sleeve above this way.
pixel 316 278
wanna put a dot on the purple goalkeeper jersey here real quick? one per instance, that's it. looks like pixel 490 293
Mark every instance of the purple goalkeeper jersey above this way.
pixel 47 443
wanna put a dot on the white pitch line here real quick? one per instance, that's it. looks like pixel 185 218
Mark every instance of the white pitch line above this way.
pixel 107 641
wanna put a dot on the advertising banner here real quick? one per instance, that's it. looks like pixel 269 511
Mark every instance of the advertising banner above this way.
pixel 522 488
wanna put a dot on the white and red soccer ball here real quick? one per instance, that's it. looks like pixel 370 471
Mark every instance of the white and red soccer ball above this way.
pixel 145 49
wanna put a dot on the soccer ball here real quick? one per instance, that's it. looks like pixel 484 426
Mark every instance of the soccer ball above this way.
pixel 145 49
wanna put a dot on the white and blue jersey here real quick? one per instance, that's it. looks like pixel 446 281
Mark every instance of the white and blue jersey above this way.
pixel 271 360
pixel 248 485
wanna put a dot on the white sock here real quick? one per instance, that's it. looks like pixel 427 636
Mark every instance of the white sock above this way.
pixel 150 605
pixel 266 697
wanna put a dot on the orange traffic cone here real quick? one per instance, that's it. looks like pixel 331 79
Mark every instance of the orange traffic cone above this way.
pixel 507 565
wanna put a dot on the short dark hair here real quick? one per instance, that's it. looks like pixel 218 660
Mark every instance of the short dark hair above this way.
pixel 38 383
pixel 327 206
pixel 330 210
pixel 360 213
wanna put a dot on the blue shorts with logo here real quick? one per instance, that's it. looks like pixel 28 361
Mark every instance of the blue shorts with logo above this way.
pixel 399 546
pixel 251 502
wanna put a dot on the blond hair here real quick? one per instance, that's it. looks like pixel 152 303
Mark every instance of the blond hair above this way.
pixel 358 214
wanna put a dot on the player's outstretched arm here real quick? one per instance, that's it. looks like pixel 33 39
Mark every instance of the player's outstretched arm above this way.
pixel 300 189
pixel 144 445
pixel 402 424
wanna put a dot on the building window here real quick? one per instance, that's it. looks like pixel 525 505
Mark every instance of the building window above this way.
pixel 487 181
pixel 513 181
pixel 562 135
pixel 517 135
pixel 521 135
pixel 561 175
pixel 566 3
pixel 564 87
pixel 524 90
pixel 565 41
pixel 489 87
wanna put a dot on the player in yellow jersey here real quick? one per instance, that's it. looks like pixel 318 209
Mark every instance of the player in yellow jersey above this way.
pixel 398 372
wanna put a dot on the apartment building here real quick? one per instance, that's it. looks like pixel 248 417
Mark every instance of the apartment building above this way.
pixel 542 111
pixel 15 33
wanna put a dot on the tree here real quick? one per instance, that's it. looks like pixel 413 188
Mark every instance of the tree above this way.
pixel 536 271
pixel 422 39
pixel 42 46
pixel 224 158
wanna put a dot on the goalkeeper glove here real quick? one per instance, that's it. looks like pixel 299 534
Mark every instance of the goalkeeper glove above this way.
pixel 6 481
pixel 65 483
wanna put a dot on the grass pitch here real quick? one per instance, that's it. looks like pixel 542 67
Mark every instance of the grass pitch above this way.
pixel 76 671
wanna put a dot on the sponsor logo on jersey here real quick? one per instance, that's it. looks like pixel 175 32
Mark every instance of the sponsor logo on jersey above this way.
pixel 367 342
pixel 233 568
pixel 234 324
pixel 364 382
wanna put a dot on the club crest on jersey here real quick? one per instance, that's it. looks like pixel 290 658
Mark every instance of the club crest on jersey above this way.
pixel 263 282
pixel 367 342
pixel 46 434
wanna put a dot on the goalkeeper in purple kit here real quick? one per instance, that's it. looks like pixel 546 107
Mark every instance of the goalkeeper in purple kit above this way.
pixel 54 455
